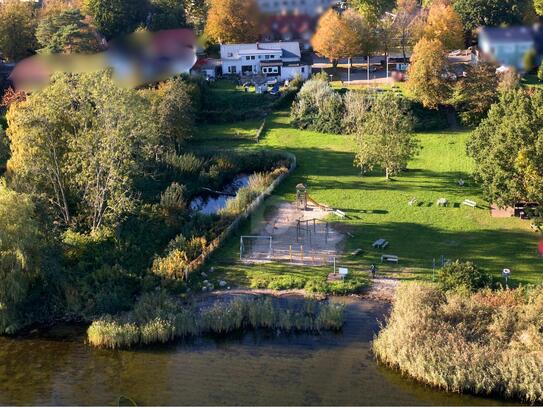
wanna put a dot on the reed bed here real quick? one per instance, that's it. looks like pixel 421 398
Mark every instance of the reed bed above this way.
pixel 169 321
pixel 488 343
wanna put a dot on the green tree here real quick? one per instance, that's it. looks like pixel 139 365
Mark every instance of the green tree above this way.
pixel 507 148
pixel 385 138
pixel 196 14
pixel 476 13
pixel 476 93
pixel 66 33
pixel 17 27
pixel 20 257
pixel 373 9
pixel 174 105
pixel 166 14
pixel 78 144
pixel 540 72
pixel 427 74
pixel 114 18
pixel 464 276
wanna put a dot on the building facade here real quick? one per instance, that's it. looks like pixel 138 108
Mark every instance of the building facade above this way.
pixel 313 8
pixel 507 46
pixel 281 60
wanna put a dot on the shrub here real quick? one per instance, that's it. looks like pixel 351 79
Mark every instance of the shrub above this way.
pixel 357 104
pixel 488 343
pixel 318 107
pixel 462 276
pixel 158 319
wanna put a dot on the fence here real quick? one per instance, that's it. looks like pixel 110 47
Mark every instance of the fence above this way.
pixel 199 262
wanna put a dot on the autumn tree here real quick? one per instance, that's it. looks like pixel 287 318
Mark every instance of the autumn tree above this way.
pixel 385 138
pixel 538 7
pixel 340 36
pixel 78 145
pixel 427 74
pixel 476 93
pixel 114 18
pixel 444 24
pixel 66 32
pixel 58 6
pixel 17 27
pixel 507 149
pixel 233 21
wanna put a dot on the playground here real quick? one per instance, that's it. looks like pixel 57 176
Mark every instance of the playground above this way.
pixel 296 232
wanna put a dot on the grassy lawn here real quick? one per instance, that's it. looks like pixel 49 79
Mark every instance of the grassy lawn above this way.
pixel 379 209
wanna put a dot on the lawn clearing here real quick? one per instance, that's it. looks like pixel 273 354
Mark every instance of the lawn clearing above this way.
pixel 379 209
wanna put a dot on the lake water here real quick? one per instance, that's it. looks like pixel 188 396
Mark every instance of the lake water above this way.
pixel 210 204
pixel 255 368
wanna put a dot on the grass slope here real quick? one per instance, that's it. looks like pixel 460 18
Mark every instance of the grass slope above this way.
pixel 379 209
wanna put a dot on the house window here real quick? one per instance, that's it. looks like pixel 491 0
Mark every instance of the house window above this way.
pixel 247 58
pixel 229 55
pixel 303 69
pixel 232 69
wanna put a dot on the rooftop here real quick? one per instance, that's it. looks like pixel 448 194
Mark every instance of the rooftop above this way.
pixel 508 34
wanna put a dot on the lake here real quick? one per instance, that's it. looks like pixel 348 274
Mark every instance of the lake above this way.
pixel 254 368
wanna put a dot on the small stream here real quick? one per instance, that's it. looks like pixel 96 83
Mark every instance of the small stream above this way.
pixel 253 368
pixel 211 203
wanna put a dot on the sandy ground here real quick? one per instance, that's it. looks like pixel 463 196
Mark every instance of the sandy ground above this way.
pixel 314 242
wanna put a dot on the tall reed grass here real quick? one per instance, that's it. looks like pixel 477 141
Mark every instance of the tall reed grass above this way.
pixel 158 319
pixel 488 343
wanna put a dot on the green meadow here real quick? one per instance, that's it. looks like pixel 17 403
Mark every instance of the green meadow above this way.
pixel 377 208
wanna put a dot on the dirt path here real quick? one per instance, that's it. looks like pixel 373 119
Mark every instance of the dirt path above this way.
pixel 382 289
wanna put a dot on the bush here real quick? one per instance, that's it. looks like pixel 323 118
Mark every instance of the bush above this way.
pixel 353 284
pixel 158 319
pixel 318 107
pixel 488 343
pixel 462 276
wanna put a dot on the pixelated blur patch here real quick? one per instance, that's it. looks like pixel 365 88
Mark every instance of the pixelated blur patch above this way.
pixel 541 247
pixel 135 60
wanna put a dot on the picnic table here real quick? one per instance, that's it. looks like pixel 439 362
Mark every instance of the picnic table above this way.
pixel 380 244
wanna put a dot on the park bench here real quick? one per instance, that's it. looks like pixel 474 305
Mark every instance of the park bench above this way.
pixel 442 202
pixel 412 201
pixel 356 252
pixel 389 258
pixel 341 214
pixel 469 202
pixel 535 228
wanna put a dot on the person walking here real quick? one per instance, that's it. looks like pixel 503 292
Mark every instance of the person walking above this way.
pixel 373 270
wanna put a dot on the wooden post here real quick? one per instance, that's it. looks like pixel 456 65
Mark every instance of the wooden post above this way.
pixel 290 252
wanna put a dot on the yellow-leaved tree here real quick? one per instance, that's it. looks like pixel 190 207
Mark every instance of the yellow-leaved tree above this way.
pixel 233 21
pixel 444 24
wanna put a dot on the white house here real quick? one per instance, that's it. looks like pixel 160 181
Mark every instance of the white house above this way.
pixel 507 46
pixel 281 60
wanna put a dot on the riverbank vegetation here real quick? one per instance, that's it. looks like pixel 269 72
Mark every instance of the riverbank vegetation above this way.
pixel 487 343
pixel 107 177
pixel 157 318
